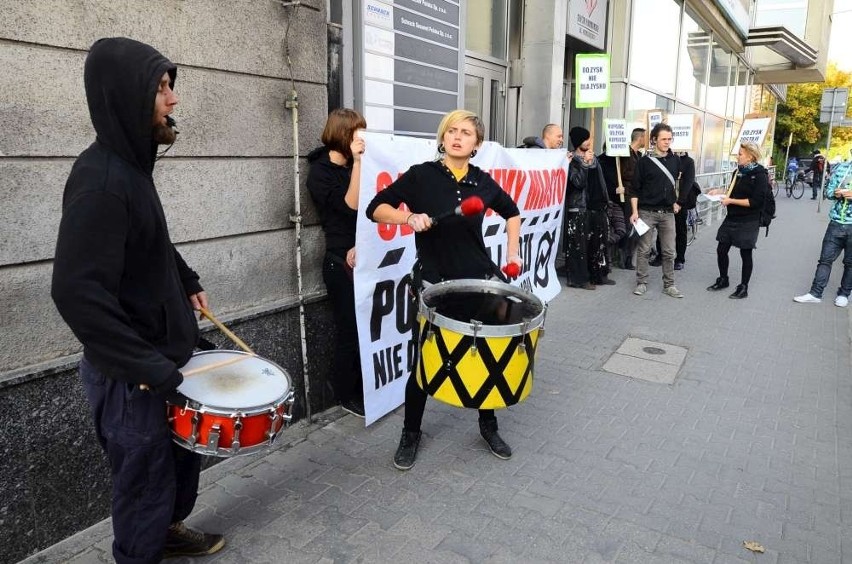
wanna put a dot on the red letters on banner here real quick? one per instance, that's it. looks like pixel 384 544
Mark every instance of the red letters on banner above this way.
pixel 385 231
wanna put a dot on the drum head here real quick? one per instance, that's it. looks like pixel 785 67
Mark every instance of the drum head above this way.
pixel 251 382
pixel 501 309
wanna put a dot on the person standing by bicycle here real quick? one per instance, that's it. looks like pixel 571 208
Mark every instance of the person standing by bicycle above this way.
pixel 818 168
pixel 792 170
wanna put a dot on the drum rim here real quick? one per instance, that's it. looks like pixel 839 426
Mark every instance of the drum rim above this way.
pixel 486 287
pixel 247 411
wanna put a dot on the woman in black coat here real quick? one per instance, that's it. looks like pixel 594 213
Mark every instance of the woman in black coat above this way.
pixel 744 202
pixel 334 185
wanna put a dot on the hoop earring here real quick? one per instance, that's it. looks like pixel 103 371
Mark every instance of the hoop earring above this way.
pixel 441 149
pixel 473 154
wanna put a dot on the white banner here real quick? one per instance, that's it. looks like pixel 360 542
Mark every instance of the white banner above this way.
pixel 616 137
pixel 753 131
pixel 683 131
pixel 385 253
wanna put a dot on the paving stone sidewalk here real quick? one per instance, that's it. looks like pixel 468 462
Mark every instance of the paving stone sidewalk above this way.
pixel 752 442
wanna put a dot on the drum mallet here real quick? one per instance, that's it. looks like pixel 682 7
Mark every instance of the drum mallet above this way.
pixel 237 341
pixel 469 206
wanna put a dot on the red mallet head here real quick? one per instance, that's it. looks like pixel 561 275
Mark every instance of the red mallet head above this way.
pixel 512 270
pixel 472 206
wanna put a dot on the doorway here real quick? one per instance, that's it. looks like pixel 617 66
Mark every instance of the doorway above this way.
pixel 485 95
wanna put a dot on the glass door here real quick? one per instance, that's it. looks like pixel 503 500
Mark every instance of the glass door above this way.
pixel 485 95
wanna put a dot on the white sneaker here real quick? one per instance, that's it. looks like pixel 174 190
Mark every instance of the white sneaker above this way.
pixel 807 299
pixel 841 301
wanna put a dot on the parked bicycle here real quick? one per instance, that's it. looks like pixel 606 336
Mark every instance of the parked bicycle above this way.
pixel 693 223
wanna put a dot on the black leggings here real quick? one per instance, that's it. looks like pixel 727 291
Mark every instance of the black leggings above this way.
pixel 722 260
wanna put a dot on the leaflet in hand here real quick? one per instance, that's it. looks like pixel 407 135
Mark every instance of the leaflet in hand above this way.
pixel 641 227
pixel 715 197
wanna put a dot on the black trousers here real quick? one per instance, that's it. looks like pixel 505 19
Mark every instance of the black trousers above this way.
pixel 680 237
pixel 576 248
pixel 346 376
pixel 154 481
pixel 415 397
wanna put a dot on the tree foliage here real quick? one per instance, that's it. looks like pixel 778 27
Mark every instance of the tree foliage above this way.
pixel 800 115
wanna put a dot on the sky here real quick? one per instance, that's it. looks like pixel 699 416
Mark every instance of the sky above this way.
pixel 840 43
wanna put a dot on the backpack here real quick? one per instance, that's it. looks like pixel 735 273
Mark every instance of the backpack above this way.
pixel 691 199
pixel 767 214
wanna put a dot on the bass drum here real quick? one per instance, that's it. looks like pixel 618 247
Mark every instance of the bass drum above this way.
pixel 477 343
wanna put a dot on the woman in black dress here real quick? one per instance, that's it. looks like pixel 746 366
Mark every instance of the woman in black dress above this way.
pixel 450 249
pixel 334 184
pixel 744 202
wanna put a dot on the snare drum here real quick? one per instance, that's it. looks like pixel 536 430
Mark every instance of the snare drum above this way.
pixel 477 342
pixel 235 409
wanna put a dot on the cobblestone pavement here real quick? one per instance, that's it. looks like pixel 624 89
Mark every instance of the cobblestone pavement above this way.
pixel 752 442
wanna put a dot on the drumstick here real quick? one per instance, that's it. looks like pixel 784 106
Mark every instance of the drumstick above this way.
pixel 207 367
pixel 215 365
pixel 237 341
pixel 469 206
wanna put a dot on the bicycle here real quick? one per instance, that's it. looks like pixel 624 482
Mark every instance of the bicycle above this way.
pixel 693 223
pixel 795 188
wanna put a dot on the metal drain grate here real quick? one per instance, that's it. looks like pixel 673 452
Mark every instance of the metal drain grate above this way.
pixel 647 360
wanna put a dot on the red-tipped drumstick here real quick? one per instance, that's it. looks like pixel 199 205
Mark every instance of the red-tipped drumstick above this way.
pixel 469 206
pixel 512 270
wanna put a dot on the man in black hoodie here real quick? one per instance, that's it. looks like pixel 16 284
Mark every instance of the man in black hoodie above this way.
pixel 128 296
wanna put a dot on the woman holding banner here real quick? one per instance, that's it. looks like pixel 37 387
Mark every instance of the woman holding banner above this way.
pixel 744 202
pixel 334 182
pixel 450 249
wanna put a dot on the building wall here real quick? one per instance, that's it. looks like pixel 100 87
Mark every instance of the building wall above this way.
pixel 228 189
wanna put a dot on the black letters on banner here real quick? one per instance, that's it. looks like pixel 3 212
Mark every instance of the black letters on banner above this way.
pixel 382 305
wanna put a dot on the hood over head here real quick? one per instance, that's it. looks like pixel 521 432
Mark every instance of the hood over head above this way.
pixel 121 78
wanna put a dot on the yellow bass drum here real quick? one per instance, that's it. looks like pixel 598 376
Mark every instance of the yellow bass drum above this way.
pixel 477 342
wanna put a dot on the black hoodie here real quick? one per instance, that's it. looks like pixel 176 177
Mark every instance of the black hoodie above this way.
pixel 118 280
pixel 328 184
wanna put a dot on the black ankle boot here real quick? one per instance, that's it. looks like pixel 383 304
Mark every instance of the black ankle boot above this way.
pixel 720 283
pixel 499 448
pixel 406 453
pixel 740 293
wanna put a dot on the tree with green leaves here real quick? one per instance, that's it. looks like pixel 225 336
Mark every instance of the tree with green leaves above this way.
pixel 800 115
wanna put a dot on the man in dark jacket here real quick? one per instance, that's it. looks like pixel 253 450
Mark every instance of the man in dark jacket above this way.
pixel 818 167
pixel 687 178
pixel 551 138
pixel 586 227
pixel 128 296
pixel 653 199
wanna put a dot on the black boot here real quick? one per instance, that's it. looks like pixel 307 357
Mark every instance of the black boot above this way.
pixel 720 283
pixel 740 293
pixel 406 452
pixel 499 448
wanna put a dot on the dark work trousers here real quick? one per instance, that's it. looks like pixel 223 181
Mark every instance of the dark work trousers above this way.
pixel 628 244
pixel 415 397
pixel 596 256
pixel 680 237
pixel 576 248
pixel 347 362
pixel 154 481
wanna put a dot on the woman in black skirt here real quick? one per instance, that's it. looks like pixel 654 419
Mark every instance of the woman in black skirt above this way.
pixel 744 201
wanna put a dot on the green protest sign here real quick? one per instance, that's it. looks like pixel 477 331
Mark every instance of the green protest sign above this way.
pixel 592 80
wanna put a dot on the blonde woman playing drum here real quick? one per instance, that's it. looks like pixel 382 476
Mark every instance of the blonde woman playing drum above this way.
pixel 450 249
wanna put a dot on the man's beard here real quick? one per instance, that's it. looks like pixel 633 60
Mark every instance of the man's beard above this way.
pixel 164 135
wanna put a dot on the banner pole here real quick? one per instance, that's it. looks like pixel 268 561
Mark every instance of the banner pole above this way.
pixel 618 171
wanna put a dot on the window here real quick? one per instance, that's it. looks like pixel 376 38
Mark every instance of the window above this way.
pixel 653 44
pixel 486 27
pixel 719 80
pixel 692 65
